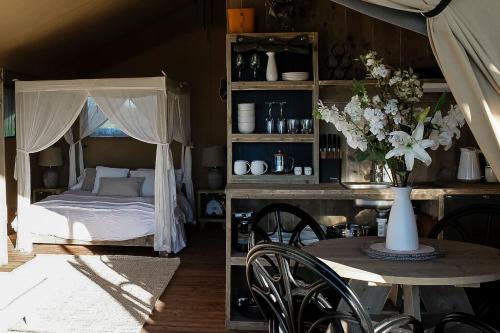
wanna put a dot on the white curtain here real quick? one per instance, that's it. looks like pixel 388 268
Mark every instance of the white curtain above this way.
pixel 42 118
pixel 143 115
pixel 3 201
pixel 68 136
pixel 91 119
pixel 464 39
pixel 181 108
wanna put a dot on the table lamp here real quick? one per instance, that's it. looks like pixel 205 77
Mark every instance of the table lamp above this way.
pixel 50 158
pixel 214 157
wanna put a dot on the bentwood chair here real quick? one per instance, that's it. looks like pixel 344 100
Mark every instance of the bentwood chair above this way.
pixel 285 223
pixel 305 300
pixel 464 319
pixel 479 224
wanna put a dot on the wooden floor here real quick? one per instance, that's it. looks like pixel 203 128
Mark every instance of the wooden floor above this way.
pixel 194 299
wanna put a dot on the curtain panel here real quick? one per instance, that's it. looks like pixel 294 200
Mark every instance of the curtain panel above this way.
pixel 180 107
pixel 464 39
pixel 134 112
pixel 42 118
pixel 91 119
pixel 140 107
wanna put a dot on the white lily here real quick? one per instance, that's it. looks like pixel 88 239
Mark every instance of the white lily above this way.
pixel 411 146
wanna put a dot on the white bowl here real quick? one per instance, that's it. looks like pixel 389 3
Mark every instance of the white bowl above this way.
pixel 246 106
pixel 246 119
pixel 246 128
pixel 246 111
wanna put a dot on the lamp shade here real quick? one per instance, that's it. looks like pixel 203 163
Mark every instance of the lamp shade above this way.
pixel 214 156
pixel 50 157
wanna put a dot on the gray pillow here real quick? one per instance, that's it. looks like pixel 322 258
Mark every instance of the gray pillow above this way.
pixel 89 179
pixel 123 187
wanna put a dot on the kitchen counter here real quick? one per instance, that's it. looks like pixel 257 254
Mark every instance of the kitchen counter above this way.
pixel 340 192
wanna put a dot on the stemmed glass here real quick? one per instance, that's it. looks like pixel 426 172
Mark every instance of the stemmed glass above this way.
pixel 281 120
pixel 240 62
pixel 269 118
pixel 255 64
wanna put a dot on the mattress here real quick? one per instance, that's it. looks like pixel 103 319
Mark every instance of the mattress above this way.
pixel 84 216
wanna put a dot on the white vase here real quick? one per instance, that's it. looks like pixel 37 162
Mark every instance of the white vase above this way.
pixel 402 234
pixel 271 70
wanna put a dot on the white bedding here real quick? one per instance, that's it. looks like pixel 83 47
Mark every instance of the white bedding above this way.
pixel 84 216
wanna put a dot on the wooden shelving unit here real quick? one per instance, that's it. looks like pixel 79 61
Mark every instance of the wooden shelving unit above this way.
pixel 294 92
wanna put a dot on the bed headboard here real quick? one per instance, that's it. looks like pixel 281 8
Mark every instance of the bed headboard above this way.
pixel 124 152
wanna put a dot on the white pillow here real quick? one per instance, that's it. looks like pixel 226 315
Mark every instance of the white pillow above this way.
pixel 148 186
pixel 109 173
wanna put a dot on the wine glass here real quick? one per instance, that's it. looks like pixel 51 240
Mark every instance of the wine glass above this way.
pixel 240 62
pixel 255 64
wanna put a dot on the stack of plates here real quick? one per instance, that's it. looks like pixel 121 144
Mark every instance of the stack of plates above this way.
pixel 246 117
pixel 295 76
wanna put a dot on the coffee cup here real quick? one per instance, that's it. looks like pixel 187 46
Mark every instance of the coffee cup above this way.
pixel 490 175
pixel 297 171
pixel 258 167
pixel 308 171
pixel 241 167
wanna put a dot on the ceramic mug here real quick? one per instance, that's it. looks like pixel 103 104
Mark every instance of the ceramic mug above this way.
pixel 297 171
pixel 490 175
pixel 241 167
pixel 308 171
pixel 258 167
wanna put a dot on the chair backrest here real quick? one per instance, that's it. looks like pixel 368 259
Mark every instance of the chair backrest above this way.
pixel 479 224
pixel 285 223
pixel 299 293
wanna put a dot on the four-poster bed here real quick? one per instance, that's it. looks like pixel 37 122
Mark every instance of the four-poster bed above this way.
pixel 154 110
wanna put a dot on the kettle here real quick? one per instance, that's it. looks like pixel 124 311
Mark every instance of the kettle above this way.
pixel 469 169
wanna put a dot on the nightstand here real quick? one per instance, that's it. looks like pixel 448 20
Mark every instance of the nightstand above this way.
pixel 41 193
pixel 211 207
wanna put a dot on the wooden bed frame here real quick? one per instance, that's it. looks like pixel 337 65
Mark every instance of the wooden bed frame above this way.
pixel 146 241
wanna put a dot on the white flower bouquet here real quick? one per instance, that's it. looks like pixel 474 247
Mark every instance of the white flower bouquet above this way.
pixel 391 127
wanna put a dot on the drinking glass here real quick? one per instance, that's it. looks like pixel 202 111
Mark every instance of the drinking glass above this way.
pixel 240 62
pixel 255 64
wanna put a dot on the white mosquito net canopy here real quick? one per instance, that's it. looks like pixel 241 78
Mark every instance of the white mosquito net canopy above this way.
pixel 147 109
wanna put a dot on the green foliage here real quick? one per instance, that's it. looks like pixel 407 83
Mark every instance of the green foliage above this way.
pixel 440 102
pixel 423 115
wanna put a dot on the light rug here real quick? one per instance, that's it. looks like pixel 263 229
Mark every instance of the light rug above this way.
pixel 97 294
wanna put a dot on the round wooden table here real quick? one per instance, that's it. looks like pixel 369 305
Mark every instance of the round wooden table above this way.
pixel 463 265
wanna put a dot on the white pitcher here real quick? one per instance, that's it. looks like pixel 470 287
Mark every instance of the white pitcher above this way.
pixel 469 169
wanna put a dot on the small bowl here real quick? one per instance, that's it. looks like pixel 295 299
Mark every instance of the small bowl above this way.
pixel 246 128
pixel 246 112
pixel 246 106
pixel 246 119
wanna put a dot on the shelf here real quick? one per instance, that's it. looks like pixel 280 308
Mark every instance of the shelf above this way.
pixel 207 219
pixel 243 324
pixel 238 258
pixel 262 138
pixel 274 178
pixel 284 35
pixel 429 85
pixel 272 85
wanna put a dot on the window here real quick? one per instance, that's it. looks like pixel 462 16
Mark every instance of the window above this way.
pixel 9 116
pixel 108 129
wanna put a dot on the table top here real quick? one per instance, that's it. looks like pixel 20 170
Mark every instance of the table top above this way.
pixel 462 264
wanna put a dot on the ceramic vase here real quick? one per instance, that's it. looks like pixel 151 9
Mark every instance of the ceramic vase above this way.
pixel 271 70
pixel 402 234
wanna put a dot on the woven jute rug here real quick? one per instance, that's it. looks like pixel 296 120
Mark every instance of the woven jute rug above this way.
pixel 97 294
